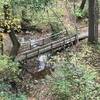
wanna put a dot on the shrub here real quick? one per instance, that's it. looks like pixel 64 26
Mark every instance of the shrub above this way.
pixel 8 68
pixel 9 71
pixel 9 96
pixel 80 13
pixel 56 28
pixel 75 83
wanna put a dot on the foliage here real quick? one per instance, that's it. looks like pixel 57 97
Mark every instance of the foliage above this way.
pixel 30 5
pixel 9 72
pixel 9 96
pixel 74 79
pixel 56 28
pixel 80 13
pixel 35 12
pixel 8 68
pixel 75 83
pixel 7 22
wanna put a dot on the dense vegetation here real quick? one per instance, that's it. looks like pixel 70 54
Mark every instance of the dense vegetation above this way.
pixel 77 78
pixel 75 72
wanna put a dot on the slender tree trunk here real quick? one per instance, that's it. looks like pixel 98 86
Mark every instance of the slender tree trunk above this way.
pixel 93 22
pixel 1 44
pixel 82 4
pixel 15 43
pixel 96 19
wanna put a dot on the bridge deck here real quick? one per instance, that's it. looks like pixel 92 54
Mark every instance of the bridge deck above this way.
pixel 30 52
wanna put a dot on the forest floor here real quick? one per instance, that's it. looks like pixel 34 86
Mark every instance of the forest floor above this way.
pixel 92 58
pixel 90 55
pixel 39 89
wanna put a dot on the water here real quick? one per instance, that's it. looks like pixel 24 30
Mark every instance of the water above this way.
pixel 42 61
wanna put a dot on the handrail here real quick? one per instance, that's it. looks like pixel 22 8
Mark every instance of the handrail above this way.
pixel 49 36
pixel 44 46
pixel 53 46
pixel 37 42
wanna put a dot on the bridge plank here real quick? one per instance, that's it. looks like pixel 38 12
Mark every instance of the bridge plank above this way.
pixel 52 46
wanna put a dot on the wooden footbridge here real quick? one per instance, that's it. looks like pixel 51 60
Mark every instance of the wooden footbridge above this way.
pixel 61 40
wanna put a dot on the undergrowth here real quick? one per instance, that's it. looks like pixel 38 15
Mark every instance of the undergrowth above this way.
pixel 76 78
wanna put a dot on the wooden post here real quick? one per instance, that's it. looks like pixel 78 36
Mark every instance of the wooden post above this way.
pixel 2 48
pixel 51 47
pixel 38 51
pixel 93 22
pixel 1 43
pixel 30 45
pixel 25 61
pixel 64 43
pixel 76 39
pixel 43 42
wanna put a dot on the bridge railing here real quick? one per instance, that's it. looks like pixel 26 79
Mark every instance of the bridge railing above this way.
pixel 33 44
pixel 52 47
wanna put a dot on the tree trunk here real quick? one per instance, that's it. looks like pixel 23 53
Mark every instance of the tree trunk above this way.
pixel 96 19
pixel 12 35
pixel 82 4
pixel 15 43
pixel 93 21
